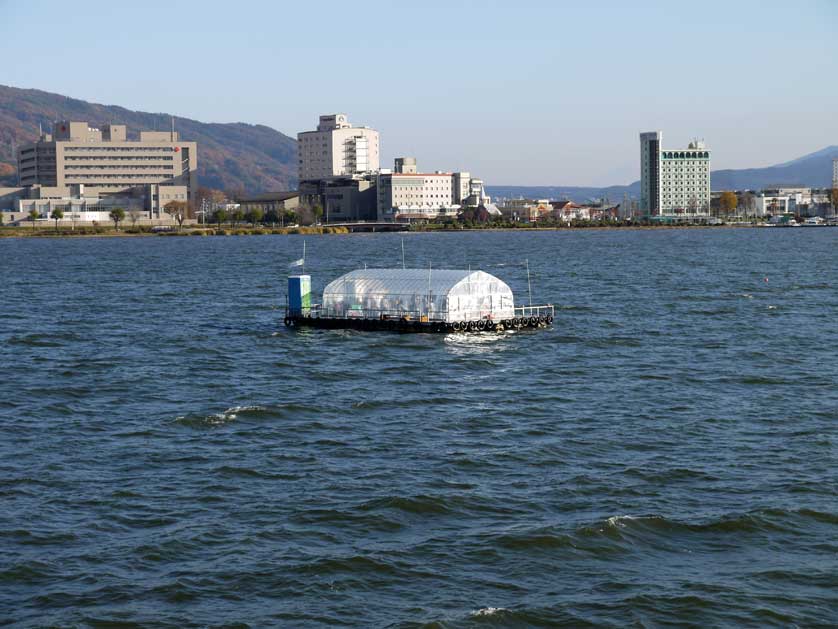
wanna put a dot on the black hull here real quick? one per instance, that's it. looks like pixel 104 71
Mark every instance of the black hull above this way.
pixel 406 325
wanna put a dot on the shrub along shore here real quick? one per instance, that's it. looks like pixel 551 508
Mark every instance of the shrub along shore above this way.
pixel 25 231
pixel 66 232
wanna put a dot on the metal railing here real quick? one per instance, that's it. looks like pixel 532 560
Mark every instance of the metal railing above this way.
pixel 535 311
pixel 317 310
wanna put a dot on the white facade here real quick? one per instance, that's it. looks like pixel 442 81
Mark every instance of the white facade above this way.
pixel 337 149
pixel 406 193
pixel 673 182
pixel 428 194
pixel 835 172
pixel 444 295
pixel 773 205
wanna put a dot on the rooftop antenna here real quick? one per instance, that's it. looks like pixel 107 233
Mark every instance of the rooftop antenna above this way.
pixel 529 285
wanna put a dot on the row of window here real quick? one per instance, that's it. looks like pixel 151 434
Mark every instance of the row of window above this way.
pixel 685 155
pixel 121 158
pixel 98 167
pixel 118 149
pixel 141 176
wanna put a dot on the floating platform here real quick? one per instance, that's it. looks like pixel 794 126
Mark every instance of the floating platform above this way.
pixel 412 300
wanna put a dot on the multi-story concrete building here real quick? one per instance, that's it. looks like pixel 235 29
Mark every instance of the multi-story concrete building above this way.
pixel 407 193
pixel 835 172
pixel 77 160
pixel 337 149
pixel 673 182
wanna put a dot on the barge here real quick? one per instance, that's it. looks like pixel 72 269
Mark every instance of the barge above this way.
pixel 412 300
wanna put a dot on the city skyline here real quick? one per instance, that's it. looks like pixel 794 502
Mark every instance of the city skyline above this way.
pixel 532 95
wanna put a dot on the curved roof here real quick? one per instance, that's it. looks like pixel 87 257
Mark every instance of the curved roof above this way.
pixel 411 281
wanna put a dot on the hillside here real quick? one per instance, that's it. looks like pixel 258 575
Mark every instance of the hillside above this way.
pixel 814 170
pixel 231 156
pixel 256 158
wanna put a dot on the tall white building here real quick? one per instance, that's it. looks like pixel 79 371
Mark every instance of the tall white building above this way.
pixel 673 182
pixel 337 149
pixel 835 172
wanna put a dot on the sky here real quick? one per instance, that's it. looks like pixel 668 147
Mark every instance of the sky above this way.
pixel 518 92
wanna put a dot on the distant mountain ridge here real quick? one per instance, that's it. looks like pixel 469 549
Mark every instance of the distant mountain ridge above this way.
pixel 231 156
pixel 257 158
pixel 813 170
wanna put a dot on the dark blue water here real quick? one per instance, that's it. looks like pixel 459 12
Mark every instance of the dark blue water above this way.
pixel 665 455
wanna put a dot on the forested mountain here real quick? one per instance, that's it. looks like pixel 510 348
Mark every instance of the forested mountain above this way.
pixel 231 156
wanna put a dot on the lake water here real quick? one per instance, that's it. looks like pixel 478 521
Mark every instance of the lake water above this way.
pixel 664 455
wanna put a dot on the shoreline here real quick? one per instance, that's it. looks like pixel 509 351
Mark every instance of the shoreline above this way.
pixel 22 232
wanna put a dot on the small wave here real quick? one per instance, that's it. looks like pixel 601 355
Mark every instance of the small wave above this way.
pixel 534 540
pixel 414 504
pixel 751 522
pixel 218 419
pixel 488 611
pixel 229 470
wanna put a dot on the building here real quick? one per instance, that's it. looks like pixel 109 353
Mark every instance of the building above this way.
pixel 835 172
pixel 772 204
pixel 350 199
pixel 673 182
pixel 278 202
pixel 406 193
pixel 337 149
pixel 94 165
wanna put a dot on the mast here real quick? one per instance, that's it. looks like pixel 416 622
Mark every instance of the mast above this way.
pixel 529 285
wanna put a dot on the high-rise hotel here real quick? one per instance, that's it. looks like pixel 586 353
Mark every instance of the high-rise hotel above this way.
pixel 337 149
pixel 673 182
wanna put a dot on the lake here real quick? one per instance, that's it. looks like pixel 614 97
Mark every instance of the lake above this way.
pixel 663 455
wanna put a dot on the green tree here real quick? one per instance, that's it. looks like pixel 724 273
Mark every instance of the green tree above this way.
pixel 220 216
pixel 255 216
pixel 238 216
pixel 177 210
pixel 289 217
pixel 834 198
pixel 33 216
pixel 318 212
pixel 57 215
pixel 728 202
pixel 272 216
pixel 117 214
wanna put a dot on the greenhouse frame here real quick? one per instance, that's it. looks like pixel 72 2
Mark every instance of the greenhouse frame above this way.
pixel 421 294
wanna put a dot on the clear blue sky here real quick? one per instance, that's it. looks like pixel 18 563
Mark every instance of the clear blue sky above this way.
pixel 519 92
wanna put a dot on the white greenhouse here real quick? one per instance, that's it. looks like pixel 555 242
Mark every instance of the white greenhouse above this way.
pixel 420 294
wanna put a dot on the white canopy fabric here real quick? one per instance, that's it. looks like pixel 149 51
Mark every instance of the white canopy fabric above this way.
pixel 441 295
